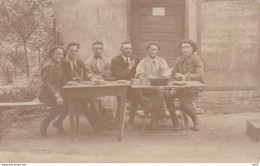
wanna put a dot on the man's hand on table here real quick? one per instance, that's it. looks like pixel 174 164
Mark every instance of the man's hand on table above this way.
pixel 180 76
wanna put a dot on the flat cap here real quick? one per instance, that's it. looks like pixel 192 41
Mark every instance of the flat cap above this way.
pixel 191 42
pixel 153 43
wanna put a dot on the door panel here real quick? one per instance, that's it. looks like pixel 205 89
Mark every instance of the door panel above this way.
pixel 166 26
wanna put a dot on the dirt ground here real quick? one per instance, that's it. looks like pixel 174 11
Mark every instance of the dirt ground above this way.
pixel 222 139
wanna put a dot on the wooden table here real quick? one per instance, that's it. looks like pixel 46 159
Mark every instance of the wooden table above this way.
pixel 171 85
pixel 94 91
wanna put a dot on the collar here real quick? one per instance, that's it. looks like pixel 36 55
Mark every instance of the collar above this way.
pixel 125 58
pixel 156 59
pixel 71 61
pixel 94 57
pixel 187 59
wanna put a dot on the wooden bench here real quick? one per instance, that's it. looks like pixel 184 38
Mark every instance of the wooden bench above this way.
pixel 17 104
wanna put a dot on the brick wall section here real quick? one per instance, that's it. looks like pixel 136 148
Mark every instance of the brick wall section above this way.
pixel 229 101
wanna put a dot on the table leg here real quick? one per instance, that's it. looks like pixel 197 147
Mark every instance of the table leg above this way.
pixel 71 116
pixel 122 106
pixel 118 111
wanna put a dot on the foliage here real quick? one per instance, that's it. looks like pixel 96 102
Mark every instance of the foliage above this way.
pixel 7 70
pixel 20 90
pixel 26 24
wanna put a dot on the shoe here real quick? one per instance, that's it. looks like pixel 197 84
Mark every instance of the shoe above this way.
pixel 43 131
pixel 176 124
pixel 59 126
pixel 130 127
pixel 197 125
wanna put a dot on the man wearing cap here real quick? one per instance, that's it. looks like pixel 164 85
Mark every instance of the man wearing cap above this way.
pixel 189 66
pixel 50 90
pixel 123 67
pixel 153 66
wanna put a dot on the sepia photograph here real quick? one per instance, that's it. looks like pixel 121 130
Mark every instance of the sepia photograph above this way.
pixel 129 81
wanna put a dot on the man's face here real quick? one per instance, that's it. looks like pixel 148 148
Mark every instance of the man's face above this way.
pixel 126 49
pixel 186 49
pixel 58 55
pixel 153 51
pixel 98 50
pixel 73 52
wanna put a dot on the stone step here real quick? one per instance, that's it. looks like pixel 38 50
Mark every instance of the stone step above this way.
pixel 253 129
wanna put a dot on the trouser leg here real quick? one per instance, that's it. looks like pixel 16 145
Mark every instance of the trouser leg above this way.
pixel 171 107
pixel 46 122
pixel 157 104
pixel 88 113
pixel 63 114
pixel 136 98
pixel 186 105
pixel 133 110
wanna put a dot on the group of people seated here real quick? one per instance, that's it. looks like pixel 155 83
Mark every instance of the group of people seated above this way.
pixel 65 65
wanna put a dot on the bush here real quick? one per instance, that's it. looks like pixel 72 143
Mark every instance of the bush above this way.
pixel 21 90
pixel 7 70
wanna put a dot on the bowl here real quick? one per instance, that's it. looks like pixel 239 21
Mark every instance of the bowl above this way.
pixel 159 81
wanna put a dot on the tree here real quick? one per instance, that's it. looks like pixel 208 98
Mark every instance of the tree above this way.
pixel 26 21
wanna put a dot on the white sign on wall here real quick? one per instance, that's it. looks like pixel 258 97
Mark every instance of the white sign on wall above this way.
pixel 158 11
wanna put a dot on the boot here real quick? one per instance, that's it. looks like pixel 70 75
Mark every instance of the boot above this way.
pixel 59 127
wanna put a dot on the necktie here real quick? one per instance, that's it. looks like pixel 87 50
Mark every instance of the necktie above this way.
pixel 75 72
pixel 127 62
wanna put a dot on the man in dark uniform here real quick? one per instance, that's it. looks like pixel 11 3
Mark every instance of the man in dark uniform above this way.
pixel 50 91
pixel 123 68
pixel 189 66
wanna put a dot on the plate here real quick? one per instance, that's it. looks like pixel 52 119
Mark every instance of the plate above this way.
pixel 180 83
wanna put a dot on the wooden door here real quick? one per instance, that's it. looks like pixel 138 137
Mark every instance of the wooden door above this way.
pixel 161 21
